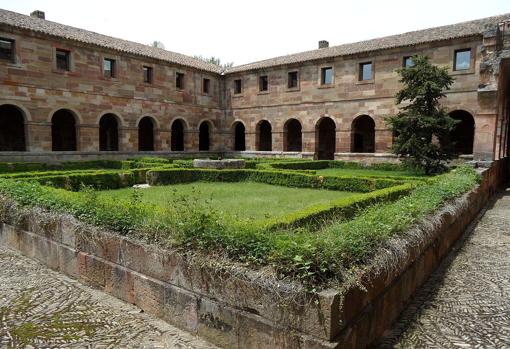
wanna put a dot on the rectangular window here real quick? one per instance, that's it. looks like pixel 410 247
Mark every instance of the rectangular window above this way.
pixel 365 71
pixel 179 81
pixel 292 81
pixel 63 59
pixel 109 68
pixel 408 62
pixel 206 86
pixel 238 86
pixel 326 76
pixel 7 49
pixel 147 75
pixel 263 85
pixel 462 59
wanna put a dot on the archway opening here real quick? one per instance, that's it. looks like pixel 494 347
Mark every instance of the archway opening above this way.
pixel 12 128
pixel 293 140
pixel 63 131
pixel 462 136
pixel 177 136
pixel 264 136
pixel 146 134
pixel 204 136
pixel 363 135
pixel 108 133
pixel 325 139
pixel 239 137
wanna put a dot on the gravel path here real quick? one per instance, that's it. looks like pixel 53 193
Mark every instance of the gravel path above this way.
pixel 40 308
pixel 466 302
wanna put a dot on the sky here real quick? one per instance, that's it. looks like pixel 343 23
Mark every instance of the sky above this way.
pixel 248 31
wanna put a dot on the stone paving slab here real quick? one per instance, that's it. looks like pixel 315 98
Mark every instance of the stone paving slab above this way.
pixel 466 302
pixel 40 308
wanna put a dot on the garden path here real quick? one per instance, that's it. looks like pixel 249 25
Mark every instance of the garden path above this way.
pixel 40 308
pixel 466 301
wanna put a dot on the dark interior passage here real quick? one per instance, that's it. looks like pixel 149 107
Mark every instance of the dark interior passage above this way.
pixel 239 137
pixel 108 133
pixel 63 131
pixel 177 136
pixel 363 135
pixel 293 136
pixel 146 134
pixel 12 128
pixel 463 134
pixel 325 139
pixel 204 137
pixel 264 136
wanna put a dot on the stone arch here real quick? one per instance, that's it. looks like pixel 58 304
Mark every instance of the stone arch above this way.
pixel 264 141
pixel 146 133
pixel 462 136
pixel 12 128
pixel 178 128
pixel 204 135
pixel 239 133
pixel 64 130
pixel 363 135
pixel 325 138
pixel 109 132
pixel 292 136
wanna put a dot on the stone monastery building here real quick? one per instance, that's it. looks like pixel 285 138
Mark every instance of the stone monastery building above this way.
pixel 67 93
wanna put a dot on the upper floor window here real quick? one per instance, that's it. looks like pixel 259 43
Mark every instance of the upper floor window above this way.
pixel 292 81
pixel 462 59
pixel 408 62
pixel 326 76
pixel 206 85
pixel 63 58
pixel 179 81
pixel 238 86
pixel 109 68
pixel 263 83
pixel 147 74
pixel 7 49
pixel 365 71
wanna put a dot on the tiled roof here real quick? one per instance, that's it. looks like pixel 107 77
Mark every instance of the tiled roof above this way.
pixel 459 30
pixel 17 20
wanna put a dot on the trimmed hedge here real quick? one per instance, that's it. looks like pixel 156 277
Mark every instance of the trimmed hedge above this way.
pixel 288 179
pixel 341 209
pixel 11 167
pixel 97 180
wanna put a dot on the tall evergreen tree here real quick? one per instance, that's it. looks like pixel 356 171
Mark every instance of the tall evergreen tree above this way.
pixel 422 126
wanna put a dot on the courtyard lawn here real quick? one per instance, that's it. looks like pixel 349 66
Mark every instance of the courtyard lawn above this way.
pixel 366 172
pixel 244 199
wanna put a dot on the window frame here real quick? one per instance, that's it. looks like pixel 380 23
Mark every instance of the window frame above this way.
pixel 298 80
pixel 455 52
pixel 113 70
pixel 12 58
pixel 206 86
pixel 150 74
pixel 360 71
pixel 236 93
pixel 261 83
pixel 180 76
pixel 322 75
pixel 68 59
pixel 404 59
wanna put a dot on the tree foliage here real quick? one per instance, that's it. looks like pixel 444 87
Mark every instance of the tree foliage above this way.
pixel 422 126
pixel 215 61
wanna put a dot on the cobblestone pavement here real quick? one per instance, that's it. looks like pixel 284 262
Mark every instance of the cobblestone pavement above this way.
pixel 466 302
pixel 40 308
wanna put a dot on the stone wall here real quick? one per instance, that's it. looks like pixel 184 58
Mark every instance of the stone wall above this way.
pixel 231 306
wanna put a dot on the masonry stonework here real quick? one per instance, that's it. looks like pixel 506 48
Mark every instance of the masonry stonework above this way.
pixel 32 83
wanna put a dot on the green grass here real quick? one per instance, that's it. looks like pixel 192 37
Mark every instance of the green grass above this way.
pixel 244 199
pixel 365 172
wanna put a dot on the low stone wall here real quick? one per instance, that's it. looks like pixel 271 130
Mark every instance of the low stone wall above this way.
pixel 233 307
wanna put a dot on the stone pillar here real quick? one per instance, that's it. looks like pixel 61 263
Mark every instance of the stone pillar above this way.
pixel 343 141
pixel 251 141
pixel 88 137
pixel 128 139
pixel 162 141
pixel 383 140
pixel 190 140
pixel 485 130
pixel 38 136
